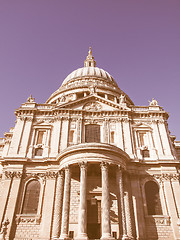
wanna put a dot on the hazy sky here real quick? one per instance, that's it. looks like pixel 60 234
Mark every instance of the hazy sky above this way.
pixel 137 42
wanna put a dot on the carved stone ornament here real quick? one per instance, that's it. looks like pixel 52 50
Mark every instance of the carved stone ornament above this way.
pixel 4 228
pixel 43 176
pixel 153 102
pixel 44 120
pixel 10 174
pixel 20 219
pixel 167 177
pixel 92 89
pixel 122 99
pixel 92 106
pixel 158 220
pixel 31 99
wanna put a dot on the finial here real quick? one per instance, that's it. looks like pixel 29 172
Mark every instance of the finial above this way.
pixel 90 62
pixel 90 52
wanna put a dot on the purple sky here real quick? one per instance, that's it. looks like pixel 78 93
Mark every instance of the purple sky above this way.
pixel 137 42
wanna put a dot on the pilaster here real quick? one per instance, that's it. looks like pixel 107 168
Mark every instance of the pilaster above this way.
pixel 16 177
pixel 138 206
pixel 47 211
pixel 55 138
pixel 16 136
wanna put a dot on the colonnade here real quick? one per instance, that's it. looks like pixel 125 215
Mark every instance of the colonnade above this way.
pixel 62 204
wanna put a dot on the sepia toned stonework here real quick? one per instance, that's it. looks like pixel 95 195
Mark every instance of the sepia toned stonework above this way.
pixel 89 164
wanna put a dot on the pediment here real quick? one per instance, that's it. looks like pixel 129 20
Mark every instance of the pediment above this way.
pixel 142 126
pixel 42 123
pixel 92 103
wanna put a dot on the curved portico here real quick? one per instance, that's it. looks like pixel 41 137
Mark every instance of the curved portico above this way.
pixel 93 153
pixel 106 161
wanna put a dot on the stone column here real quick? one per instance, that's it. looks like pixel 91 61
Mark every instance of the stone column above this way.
pixel 121 193
pixel 58 206
pixel 127 208
pixel 66 205
pixel 105 206
pixel 82 221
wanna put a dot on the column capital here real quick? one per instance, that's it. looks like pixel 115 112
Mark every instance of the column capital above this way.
pixel 120 168
pixel 60 174
pixel 83 165
pixel 67 168
pixel 104 165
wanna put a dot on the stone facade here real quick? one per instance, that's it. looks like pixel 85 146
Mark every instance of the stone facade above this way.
pixel 89 164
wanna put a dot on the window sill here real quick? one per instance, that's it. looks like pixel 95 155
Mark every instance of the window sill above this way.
pixel 158 220
pixel 28 219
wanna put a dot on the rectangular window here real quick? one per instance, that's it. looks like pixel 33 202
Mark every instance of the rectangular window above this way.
pixel 38 151
pixel 112 137
pixel 92 133
pixel 141 138
pixel 71 136
pixel 40 137
pixel 71 234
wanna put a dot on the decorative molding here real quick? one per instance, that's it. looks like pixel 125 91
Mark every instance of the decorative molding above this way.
pixel 44 120
pixel 13 174
pixel 158 220
pixel 43 176
pixel 125 120
pixel 28 219
pixel 167 177
pixel 26 118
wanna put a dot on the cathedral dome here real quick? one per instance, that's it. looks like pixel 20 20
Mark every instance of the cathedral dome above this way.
pixel 89 72
pixel 80 82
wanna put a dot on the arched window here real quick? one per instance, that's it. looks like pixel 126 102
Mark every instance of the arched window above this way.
pixel 152 198
pixel 31 198
pixel 92 133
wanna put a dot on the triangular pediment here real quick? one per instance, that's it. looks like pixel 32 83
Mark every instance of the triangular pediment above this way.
pixel 142 126
pixel 91 103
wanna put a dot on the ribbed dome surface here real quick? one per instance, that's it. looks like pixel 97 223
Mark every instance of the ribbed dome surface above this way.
pixel 89 72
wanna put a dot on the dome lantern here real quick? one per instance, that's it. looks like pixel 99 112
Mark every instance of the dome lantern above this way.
pixel 90 62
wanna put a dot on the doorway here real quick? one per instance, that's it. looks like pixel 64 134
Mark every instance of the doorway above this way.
pixel 94 218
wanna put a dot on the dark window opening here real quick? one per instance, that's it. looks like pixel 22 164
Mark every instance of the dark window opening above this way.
pixel 101 95
pixel 80 95
pixel 145 153
pixel 152 198
pixel 112 137
pixel 114 235
pixel 71 136
pixel 71 234
pixel 111 98
pixel 92 133
pixel 38 152
pixel 31 199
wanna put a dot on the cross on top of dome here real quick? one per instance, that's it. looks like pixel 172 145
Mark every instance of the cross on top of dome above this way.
pixel 90 62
